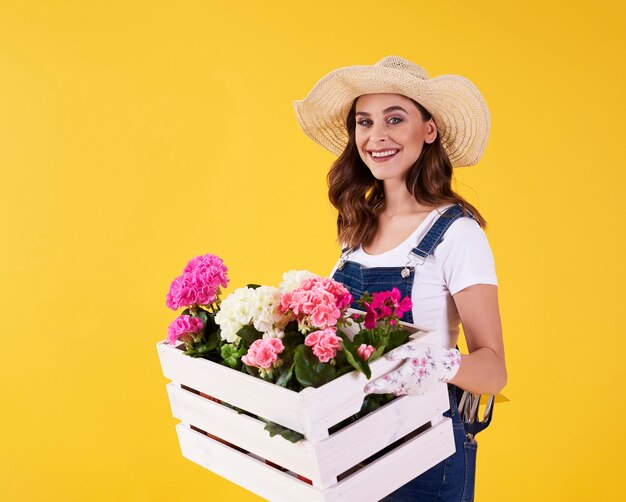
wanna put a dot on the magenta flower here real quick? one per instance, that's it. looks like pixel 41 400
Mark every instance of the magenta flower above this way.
pixel 263 353
pixel 325 343
pixel 199 283
pixel 390 303
pixel 182 325
pixel 370 317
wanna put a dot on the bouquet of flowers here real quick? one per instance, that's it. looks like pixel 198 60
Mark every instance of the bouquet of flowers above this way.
pixel 294 335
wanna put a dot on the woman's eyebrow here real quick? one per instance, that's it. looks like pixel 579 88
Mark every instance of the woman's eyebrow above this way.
pixel 386 110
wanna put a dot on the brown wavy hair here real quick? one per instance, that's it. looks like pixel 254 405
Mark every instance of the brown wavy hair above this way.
pixel 359 197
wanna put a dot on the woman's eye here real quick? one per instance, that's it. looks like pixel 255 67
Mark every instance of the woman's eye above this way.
pixel 395 118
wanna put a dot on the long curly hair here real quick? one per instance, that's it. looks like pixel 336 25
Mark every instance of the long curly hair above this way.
pixel 359 197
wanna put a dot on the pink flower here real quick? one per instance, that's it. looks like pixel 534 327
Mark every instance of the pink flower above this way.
pixel 263 353
pixel 317 303
pixel 325 343
pixel 371 317
pixel 199 283
pixel 343 298
pixel 365 351
pixel 182 325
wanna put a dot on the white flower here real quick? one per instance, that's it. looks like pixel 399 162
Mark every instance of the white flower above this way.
pixel 274 333
pixel 293 279
pixel 258 307
pixel 266 309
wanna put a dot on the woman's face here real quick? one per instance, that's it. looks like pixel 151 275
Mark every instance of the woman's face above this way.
pixel 390 134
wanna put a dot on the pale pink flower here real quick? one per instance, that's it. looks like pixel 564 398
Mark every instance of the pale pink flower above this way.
pixel 312 308
pixel 343 298
pixel 263 353
pixel 182 325
pixel 365 351
pixel 325 343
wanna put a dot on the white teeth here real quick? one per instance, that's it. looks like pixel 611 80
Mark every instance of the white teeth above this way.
pixel 384 154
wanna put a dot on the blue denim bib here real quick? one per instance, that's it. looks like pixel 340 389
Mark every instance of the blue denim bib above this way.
pixel 357 279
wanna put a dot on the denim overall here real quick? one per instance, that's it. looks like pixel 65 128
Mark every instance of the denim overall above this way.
pixel 453 478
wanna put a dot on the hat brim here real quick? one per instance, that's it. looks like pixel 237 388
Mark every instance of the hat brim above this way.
pixel 457 107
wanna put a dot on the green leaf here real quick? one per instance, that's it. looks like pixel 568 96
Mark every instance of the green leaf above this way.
pixel 292 339
pixel 249 334
pixel 396 338
pixel 350 350
pixel 210 326
pixel 342 370
pixel 356 362
pixel 202 315
pixel 253 286
pixel 284 375
pixel 375 355
pixel 310 372
pixel 213 341
pixel 290 435
pixel 232 354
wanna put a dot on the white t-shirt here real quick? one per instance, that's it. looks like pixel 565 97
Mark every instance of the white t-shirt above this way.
pixel 463 257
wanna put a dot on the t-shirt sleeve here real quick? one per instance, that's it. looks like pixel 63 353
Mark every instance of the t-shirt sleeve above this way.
pixel 465 256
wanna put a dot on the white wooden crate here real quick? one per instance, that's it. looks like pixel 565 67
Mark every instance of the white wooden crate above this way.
pixel 338 465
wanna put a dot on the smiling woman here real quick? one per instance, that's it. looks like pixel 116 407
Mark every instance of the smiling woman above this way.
pixel 398 134
pixel 390 133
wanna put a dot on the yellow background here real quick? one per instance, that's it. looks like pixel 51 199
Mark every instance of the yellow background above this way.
pixel 135 135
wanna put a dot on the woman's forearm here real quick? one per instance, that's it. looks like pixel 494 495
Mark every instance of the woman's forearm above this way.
pixel 481 372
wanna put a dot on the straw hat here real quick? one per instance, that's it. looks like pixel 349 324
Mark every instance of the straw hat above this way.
pixel 458 109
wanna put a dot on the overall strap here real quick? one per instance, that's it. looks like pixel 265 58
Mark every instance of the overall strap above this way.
pixel 435 234
pixel 345 252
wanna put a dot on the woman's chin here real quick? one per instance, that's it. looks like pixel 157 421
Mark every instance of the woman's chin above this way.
pixel 387 175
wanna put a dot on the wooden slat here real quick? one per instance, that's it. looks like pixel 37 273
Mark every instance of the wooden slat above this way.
pixel 244 431
pixel 372 433
pixel 243 470
pixel 397 468
pixel 321 461
pixel 371 483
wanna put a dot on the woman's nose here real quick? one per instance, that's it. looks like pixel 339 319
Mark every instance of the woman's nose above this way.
pixel 378 133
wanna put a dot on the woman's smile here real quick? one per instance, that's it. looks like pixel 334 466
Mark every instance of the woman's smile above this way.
pixel 383 155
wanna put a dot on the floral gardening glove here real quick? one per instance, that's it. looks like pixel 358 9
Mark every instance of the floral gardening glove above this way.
pixel 426 364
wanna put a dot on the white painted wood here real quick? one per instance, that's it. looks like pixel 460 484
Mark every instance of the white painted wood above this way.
pixel 256 476
pixel 396 468
pixel 310 412
pixel 360 440
pixel 244 431
pixel 320 461
pixel 370 483
pixel 319 457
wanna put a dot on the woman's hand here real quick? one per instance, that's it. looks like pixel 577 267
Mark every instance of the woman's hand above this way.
pixel 425 365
